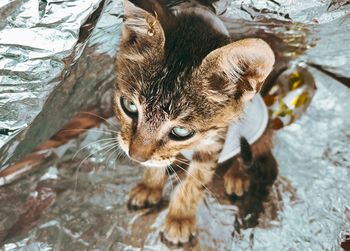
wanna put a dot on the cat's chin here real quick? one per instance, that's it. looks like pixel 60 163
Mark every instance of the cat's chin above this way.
pixel 156 163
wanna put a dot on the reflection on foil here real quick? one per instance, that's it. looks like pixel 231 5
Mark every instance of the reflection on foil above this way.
pixel 290 97
pixel 81 204
pixel 79 201
pixel 32 49
pixel 47 69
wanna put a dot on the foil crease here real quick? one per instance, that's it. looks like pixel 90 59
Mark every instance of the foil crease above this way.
pixel 79 202
pixel 47 74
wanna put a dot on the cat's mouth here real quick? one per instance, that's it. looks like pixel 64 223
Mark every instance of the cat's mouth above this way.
pixel 149 163
pixel 157 163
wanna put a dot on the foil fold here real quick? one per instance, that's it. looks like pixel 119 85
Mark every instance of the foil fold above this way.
pixel 62 52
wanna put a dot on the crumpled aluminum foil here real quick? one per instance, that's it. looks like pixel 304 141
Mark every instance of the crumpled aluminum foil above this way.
pixel 55 59
pixel 79 202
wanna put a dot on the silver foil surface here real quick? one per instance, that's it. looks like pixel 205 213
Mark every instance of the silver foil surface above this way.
pixel 79 201
pixel 56 57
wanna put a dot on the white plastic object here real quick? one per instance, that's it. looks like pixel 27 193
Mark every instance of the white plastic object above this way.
pixel 251 125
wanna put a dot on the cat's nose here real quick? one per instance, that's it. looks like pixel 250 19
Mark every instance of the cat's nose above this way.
pixel 142 147
pixel 138 156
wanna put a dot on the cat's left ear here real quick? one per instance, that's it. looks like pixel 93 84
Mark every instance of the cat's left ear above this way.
pixel 136 13
pixel 238 70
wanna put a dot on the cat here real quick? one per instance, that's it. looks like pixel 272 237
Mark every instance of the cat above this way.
pixel 181 81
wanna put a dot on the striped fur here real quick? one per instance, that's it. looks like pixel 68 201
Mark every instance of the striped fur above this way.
pixel 180 223
pixel 189 74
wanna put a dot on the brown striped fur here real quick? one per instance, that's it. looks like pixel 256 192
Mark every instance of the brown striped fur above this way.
pixel 191 75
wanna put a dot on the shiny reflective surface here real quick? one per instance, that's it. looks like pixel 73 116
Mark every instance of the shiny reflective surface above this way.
pixel 48 66
pixel 79 201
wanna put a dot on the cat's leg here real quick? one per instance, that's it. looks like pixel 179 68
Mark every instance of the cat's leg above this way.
pixel 180 224
pixel 236 179
pixel 148 192
pixel 256 164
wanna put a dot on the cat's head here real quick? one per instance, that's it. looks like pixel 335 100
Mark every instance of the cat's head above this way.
pixel 184 83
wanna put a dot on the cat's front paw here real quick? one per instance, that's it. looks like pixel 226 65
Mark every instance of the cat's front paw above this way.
pixel 143 196
pixel 236 181
pixel 179 232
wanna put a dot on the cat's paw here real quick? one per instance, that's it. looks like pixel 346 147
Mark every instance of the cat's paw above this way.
pixel 236 181
pixel 142 196
pixel 179 232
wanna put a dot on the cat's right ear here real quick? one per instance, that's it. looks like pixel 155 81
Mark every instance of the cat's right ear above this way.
pixel 136 13
pixel 237 70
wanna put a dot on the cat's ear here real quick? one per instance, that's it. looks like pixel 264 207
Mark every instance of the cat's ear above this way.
pixel 238 70
pixel 136 13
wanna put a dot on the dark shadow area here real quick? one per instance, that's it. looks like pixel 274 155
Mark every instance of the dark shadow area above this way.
pixel 263 173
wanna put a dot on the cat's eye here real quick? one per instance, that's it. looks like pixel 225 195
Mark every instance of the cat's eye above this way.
pixel 180 133
pixel 129 107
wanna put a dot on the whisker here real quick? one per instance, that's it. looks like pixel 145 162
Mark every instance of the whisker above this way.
pixel 188 163
pixel 119 154
pixel 193 177
pixel 91 130
pixel 78 169
pixel 110 157
pixel 177 178
pixel 171 180
pixel 180 181
pixel 182 161
pixel 205 187
pixel 171 168
pixel 97 141
pixel 116 151
pixel 98 116
pixel 113 148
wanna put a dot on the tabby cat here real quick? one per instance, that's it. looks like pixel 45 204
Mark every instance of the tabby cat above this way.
pixel 180 82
